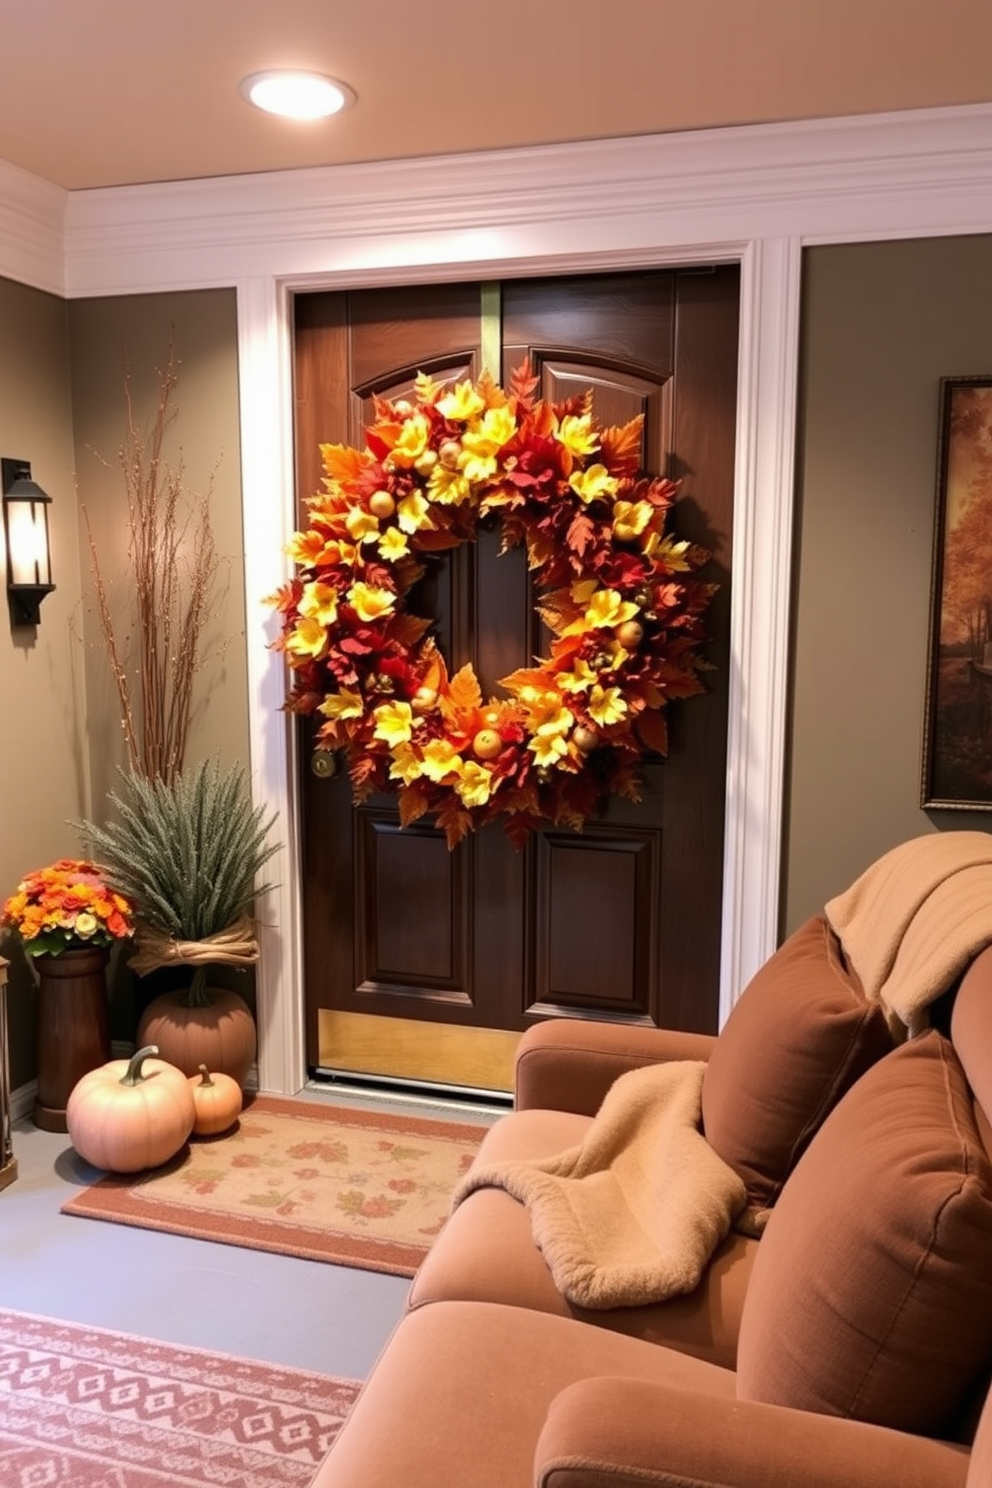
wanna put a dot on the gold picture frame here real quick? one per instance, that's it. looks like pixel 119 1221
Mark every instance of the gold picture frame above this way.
pixel 957 734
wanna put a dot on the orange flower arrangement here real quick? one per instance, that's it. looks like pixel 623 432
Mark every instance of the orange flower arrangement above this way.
pixel 617 592
pixel 66 907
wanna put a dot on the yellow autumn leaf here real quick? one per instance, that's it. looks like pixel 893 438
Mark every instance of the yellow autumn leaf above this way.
pixel 413 513
pixel 410 442
pixel 307 638
pixel 361 525
pixel 606 705
pixel 343 704
pixel 578 434
pixel 369 602
pixel 406 764
pixel 393 723
pixel 593 484
pixel 474 785
pixel 393 545
pixel 319 602
pixel 440 759
pixel 462 404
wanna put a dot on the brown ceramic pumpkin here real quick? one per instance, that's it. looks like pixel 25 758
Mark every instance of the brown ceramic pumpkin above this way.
pixel 217 1101
pixel 130 1114
pixel 220 1032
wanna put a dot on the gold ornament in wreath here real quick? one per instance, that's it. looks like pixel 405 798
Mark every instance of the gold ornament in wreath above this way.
pixel 619 594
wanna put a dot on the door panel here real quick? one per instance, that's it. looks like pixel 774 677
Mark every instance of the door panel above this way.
pixel 623 920
pixel 595 940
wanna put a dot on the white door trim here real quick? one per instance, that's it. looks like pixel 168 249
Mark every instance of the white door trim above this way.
pixel 759 616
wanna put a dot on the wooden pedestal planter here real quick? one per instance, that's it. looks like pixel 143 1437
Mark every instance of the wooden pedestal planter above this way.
pixel 73 1028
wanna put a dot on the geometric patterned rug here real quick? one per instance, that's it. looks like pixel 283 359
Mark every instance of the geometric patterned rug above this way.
pixel 84 1407
pixel 304 1178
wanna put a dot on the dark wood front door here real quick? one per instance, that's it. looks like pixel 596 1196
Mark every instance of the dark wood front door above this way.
pixel 622 921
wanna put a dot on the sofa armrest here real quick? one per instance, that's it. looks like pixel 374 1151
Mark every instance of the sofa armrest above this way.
pixel 568 1064
pixel 610 1432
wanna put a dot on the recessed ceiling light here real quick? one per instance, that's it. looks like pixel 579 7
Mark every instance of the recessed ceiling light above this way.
pixel 296 95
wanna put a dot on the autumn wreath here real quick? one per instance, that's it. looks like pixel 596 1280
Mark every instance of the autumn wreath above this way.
pixel 616 591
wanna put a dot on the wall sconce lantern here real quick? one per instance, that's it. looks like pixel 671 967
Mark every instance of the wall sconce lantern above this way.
pixel 25 522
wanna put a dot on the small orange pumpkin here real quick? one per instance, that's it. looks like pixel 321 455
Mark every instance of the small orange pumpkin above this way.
pixel 130 1114
pixel 217 1101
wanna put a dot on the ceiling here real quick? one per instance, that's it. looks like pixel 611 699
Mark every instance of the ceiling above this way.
pixel 113 92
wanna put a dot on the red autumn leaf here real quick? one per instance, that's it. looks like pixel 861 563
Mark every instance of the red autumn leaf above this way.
pixel 406 629
pixel 286 596
pixel 659 490
pixel 455 822
pixel 652 730
pixel 540 550
pixel 437 542
pixel 519 828
pixel 413 803
pixel 577 406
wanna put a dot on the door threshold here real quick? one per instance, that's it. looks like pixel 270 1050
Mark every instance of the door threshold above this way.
pixel 437 1096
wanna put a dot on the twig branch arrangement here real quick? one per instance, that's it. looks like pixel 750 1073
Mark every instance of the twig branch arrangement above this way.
pixel 154 659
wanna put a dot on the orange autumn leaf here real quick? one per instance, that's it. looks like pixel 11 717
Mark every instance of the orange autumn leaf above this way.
pixel 341 462
pixel 581 533
pixel 621 447
pixel 463 692
pixel 524 383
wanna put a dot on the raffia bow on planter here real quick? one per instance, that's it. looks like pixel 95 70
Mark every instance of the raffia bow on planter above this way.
pixel 200 1025
pixel 235 946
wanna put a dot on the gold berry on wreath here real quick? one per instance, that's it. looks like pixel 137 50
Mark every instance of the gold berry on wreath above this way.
pixel 618 592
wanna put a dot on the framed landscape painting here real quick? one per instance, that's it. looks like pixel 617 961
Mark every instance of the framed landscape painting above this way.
pixel 957 735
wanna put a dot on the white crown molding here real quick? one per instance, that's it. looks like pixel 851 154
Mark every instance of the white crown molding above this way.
pixel 907 174
pixel 32 211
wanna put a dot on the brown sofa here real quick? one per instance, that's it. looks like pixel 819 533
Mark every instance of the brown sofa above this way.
pixel 849 1347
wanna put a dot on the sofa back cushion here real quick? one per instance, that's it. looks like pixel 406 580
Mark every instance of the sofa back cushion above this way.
pixel 799 1036
pixel 871 1293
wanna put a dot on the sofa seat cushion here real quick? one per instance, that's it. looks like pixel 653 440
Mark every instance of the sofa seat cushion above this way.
pixel 798 1037
pixel 460 1395
pixel 486 1253
pixel 871 1294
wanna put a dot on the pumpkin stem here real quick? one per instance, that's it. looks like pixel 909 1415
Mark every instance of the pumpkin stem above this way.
pixel 197 995
pixel 133 1075
pixel 205 1079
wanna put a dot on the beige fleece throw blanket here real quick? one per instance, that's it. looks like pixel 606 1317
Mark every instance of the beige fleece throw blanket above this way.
pixel 633 1213
pixel 913 920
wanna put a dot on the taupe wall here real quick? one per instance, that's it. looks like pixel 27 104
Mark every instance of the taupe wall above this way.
pixel 882 323
pixel 62 407
pixel 44 756
pixel 107 336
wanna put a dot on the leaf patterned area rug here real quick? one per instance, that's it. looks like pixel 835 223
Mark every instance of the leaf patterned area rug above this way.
pixel 301 1178
pixel 84 1407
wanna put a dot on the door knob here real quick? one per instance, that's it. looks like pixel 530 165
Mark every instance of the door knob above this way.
pixel 323 763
